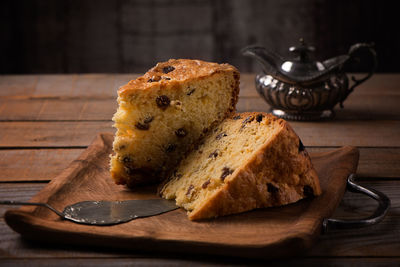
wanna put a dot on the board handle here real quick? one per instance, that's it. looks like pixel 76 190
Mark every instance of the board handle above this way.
pixel 379 214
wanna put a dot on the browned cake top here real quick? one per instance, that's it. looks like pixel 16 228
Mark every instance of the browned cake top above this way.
pixel 172 71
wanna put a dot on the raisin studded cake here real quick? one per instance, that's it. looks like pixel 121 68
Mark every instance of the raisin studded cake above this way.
pixel 162 114
pixel 251 160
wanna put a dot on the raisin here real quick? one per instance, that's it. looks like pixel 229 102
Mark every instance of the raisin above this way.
pixel 148 119
pixel 200 151
pixel 225 172
pixel 272 189
pixel 190 188
pixel 154 79
pixel 163 101
pixel 308 191
pixel 127 159
pixel 237 117
pixel 301 146
pixel 259 117
pixel 142 126
pixel 170 148
pixel 214 154
pixel 181 132
pixel 219 136
pixel 121 147
pixel 205 130
pixel 177 175
pixel 248 119
pixel 168 69
pixel 191 91
pixel 206 183
pixel 129 170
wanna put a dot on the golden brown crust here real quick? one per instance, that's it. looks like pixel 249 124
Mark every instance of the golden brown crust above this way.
pixel 278 174
pixel 175 71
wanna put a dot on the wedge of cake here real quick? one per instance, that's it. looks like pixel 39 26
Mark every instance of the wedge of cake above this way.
pixel 162 114
pixel 249 161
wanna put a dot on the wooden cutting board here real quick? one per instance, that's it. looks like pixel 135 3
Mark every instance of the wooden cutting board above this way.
pixel 263 233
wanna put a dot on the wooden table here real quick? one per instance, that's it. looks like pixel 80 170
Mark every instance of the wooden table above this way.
pixel 46 121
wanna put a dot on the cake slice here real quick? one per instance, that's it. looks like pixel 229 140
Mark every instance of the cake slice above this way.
pixel 162 114
pixel 249 161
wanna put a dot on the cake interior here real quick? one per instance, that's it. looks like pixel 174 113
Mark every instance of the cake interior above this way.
pixel 233 143
pixel 157 126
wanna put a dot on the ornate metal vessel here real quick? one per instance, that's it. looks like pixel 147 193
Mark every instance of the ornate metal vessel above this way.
pixel 302 89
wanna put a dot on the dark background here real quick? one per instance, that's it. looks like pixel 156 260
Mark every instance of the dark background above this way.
pixel 132 35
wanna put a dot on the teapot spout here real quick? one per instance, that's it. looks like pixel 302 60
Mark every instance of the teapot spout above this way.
pixel 272 63
pixel 269 61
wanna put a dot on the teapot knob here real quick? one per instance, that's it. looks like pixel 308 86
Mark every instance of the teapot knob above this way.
pixel 302 50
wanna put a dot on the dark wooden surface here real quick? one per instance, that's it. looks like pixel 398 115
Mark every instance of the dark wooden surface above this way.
pixel 46 121
pixel 287 230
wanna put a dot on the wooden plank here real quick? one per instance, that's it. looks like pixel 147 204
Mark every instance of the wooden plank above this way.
pixel 58 109
pixel 355 133
pixel 374 162
pixel 84 85
pixel 62 85
pixel 105 85
pixel 18 192
pixel 17 85
pixel 363 107
pixel 34 164
pixel 376 241
pixel 335 133
pixel 13 246
pixel 50 134
pixel 44 164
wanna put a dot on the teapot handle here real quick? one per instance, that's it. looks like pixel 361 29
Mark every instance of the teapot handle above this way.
pixel 357 82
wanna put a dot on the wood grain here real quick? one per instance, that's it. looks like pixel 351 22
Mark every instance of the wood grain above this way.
pixel 380 133
pixel 88 178
pixel 34 164
pixel 17 85
pixel 44 164
pixel 93 97
pixel 18 192
pixel 62 86
pixel 352 243
pixel 58 109
pixel 50 134
pixel 80 133
pixel 364 107
pixel 106 85
pixel 57 116
pixel 374 162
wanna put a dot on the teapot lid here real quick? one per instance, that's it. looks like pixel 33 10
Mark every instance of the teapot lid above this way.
pixel 302 65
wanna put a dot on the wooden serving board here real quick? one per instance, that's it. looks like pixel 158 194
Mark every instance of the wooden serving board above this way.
pixel 263 233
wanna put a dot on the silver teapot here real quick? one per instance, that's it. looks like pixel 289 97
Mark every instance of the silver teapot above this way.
pixel 302 89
